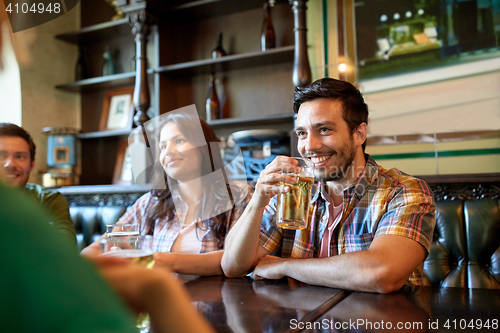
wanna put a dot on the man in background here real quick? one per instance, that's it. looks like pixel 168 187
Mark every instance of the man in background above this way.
pixel 17 159
pixel 62 291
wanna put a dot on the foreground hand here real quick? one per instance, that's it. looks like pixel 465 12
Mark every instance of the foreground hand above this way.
pixel 154 291
pixel 269 267
pixel 267 184
pixel 104 261
pixel 136 284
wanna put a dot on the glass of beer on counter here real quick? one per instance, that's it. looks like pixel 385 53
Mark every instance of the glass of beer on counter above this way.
pixel 292 211
pixel 139 249
pixel 122 230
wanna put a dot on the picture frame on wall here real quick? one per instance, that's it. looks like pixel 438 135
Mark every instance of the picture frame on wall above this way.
pixel 117 109
pixel 403 43
pixel 123 166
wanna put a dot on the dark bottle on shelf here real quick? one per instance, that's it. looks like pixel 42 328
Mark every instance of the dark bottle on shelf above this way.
pixel 108 68
pixel 81 67
pixel 218 52
pixel 267 37
pixel 212 102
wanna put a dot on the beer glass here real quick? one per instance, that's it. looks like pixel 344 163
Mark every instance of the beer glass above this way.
pixel 292 211
pixel 139 249
pixel 122 230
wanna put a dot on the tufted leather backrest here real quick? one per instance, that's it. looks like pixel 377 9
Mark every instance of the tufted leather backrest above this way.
pixel 465 251
pixel 90 221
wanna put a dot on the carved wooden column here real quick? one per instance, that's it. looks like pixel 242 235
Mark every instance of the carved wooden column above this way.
pixel 140 22
pixel 341 39
pixel 301 69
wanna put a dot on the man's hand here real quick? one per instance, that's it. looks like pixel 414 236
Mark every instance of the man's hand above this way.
pixel 267 184
pixel 154 291
pixel 130 280
pixel 269 267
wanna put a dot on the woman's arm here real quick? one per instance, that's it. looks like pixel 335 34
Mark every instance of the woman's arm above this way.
pixel 93 249
pixel 187 263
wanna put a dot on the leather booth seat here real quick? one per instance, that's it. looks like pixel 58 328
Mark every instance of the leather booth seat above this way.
pixel 465 251
pixel 90 221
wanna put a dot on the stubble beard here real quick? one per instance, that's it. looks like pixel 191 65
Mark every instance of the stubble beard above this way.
pixel 340 171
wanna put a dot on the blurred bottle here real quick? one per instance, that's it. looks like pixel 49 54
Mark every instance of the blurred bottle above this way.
pixel 81 67
pixel 218 52
pixel 108 67
pixel 212 103
pixel 267 36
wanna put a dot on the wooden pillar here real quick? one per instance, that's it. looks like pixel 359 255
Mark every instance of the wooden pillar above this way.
pixel 342 57
pixel 301 69
pixel 141 22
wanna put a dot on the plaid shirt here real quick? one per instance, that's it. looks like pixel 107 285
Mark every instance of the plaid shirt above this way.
pixel 379 202
pixel 167 229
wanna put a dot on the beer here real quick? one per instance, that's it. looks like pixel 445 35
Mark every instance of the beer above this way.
pixel 122 234
pixel 292 211
pixel 139 249
pixel 122 230
pixel 141 257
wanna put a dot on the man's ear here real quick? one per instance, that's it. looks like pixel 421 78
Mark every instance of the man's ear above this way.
pixel 32 165
pixel 360 134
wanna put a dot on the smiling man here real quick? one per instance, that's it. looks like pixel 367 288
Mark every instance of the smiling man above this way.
pixel 369 228
pixel 17 159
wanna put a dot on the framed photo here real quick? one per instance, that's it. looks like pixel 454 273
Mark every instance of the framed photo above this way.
pixel 123 166
pixel 117 109
pixel 61 154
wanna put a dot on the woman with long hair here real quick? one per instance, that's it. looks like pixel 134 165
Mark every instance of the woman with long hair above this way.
pixel 192 204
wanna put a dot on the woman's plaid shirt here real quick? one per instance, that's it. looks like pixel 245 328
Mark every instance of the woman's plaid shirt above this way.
pixel 167 230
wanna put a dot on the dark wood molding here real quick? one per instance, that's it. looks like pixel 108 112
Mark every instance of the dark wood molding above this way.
pixel 464 187
pixel 301 69
pixel 102 195
pixel 462 179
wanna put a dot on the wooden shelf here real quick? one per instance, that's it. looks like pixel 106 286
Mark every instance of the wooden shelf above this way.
pixel 230 62
pixel 101 82
pixel 270 119
pixel 189 10
pixel 197 67
pixel 98 32
pixel 104 134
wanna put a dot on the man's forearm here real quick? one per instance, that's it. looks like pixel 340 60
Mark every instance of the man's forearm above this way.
pixel 242 243
pixel 347 271
pixel 384 268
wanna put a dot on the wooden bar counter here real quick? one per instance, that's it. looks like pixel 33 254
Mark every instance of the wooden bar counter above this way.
pixel 286 305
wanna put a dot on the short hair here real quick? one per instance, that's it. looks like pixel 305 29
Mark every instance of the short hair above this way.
pixel 355 110
pixel 9 129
